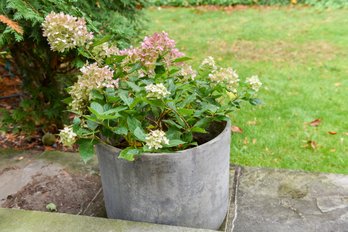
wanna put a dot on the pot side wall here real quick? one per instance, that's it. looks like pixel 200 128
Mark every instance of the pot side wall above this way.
pixel 187 188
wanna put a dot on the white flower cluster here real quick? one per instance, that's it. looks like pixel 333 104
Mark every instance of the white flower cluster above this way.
pixel 227 76
pixel 208 62
pixel 105 50
pixel 156 139
pixel 254 83
pixel 188 73
pixel 92 77
pixel 67 136
pixel 64 32
pixel 158 91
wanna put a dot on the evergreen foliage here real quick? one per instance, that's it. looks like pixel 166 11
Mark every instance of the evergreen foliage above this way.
pixel 45 73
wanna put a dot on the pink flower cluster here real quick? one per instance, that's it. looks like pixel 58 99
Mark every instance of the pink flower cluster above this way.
pixel 159 45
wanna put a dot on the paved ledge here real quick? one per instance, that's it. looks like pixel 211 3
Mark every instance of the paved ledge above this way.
pixel 289 201
pixel 261 199
pixel 14 220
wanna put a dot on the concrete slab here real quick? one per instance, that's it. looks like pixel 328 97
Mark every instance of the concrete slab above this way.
pixel 12 220
pixel 16 177
pixel 282 200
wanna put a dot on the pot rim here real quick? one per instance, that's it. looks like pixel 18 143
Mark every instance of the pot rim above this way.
pixel 177 153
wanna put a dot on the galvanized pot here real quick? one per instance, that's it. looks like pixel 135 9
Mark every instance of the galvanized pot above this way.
pixel 186 188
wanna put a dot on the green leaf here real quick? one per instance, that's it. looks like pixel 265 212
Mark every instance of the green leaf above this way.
pixel 198 130
pixel 133 86
pixel 188 100
pixel 172 123
pixel 135 67
pixel 181 59
pixel 133 123
pixel 124 97
pixel 96 108
pixel 202 122
pixel 92 125
pixel 95 94
pixel 140 134
pixel 67 100
pixel 115 110
pixel 86 148
pixel 102 40
pixel 121 130
pixel 160 69
pixel 174 143
pixel 186 112
pixel 129 153
pixel 114 59
pixel 76 121
pixel 83 53
pixel 173 133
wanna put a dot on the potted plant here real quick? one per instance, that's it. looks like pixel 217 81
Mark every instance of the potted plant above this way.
pixel 161 130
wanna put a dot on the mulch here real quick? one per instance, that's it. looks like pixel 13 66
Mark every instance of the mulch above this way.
pixel 10 96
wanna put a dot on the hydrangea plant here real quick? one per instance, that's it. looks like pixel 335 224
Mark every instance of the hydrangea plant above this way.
pixel 146 98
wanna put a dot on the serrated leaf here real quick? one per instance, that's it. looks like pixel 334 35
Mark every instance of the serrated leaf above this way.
pixel 124 97
pixel 186 112
pixel 202 122
pixel 92 125
pixel 133 123
pixel 133 86
pixel 121 130
pixel 172 123
pixel 198 130
pixel 67 100
pixel 76 121
pixel 102 40
pixel 174 143
pixel 86 148
pixel 140 134
pixel 96 108
pixel 181 59
pixel 129 153
pixel 94 94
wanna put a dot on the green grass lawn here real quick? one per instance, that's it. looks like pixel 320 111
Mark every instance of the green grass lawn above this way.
pixel 301 56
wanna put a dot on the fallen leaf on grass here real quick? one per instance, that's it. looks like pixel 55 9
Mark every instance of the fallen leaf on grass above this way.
pixel 315 122
pixel 332 132
pixel 236 129
pixel 254 141
pixel 337 84
pixel 313 144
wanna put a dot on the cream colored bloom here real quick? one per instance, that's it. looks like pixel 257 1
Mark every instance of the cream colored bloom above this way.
pixel 67 136
pixel 158 91
pixel 156 139
pixel 227 76
pixel 188 73
pixel 208 62
pixel 254 83
pixel 65 32
pixel 92 77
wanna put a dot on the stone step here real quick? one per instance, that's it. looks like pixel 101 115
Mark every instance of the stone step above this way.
pixel 15 220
